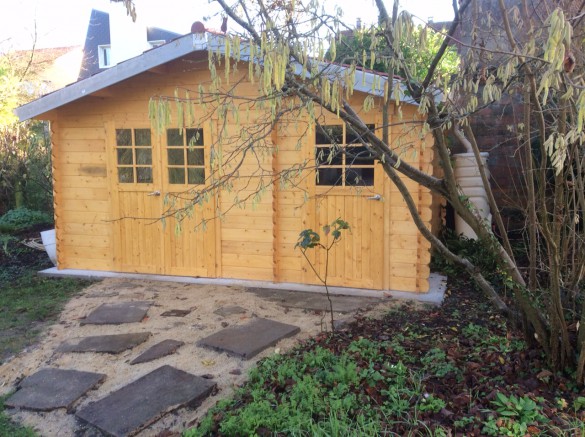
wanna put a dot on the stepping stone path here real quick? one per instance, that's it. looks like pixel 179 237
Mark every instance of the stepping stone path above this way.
pixel 230 311
pixel 164 348
pixel 111 344
pixel 118 313
pixel 315 301
pixel 49 389
pixel 142 402
pixel 176 313
pixel 249 340
pixel 145 400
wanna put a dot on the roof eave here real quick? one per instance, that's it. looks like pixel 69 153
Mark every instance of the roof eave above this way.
pixel 153 58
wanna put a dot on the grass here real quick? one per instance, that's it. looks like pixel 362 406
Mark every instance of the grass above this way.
pixel 9 428
pixel 28 303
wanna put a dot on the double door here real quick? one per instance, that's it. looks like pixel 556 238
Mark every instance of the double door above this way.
pixel 158 228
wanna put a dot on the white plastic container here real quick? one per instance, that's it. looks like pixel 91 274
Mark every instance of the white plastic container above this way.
pixel 469 179
pixel 50 243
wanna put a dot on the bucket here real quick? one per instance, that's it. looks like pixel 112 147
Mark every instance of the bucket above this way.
pixel 48 238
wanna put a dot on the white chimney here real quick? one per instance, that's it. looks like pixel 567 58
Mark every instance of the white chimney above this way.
pixel 127 38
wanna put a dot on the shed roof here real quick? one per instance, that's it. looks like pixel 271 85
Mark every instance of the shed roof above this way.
pixel 365 81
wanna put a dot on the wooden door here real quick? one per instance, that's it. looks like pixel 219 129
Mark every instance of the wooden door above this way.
pixel 190 227
pixel 350 187
pixel 136 200
pixel 153 179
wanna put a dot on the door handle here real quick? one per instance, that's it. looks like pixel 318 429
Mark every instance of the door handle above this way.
pixel 154 193
pixel 377 197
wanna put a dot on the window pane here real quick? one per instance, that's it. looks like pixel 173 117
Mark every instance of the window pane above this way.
pixel 329 176
pixel 124 157
pixel 194 137
pixel 329 134
pixel 142 137
pixel 125 175
pixel 195 157
pixel 175 137
pixel 144 156
pixel 176 175
pixel 144 175
pixel 196 176
pixel 359 176
pixel 123 137
pixel 176 157
pixel 358 156
pixel 352 138
pixel 324 154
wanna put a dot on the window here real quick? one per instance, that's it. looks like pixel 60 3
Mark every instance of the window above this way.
pixel 105 56
pixel 185 156
pixel 134 156
pixel 341 158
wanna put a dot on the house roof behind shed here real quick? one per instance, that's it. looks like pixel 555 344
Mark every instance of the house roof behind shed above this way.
pixel 364 81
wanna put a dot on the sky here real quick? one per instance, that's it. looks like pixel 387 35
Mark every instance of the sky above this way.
pixel 61 23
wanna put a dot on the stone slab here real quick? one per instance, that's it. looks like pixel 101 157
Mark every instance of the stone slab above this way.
pixel 49 389
pixel 118 313
pixel 230 310
pixel 142 402
pixel 315 301
pixel 250 339
pixel 159 350
pixel 111 344
pixel 176 313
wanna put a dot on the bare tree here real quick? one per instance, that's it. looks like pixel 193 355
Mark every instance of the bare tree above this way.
pixel 531 51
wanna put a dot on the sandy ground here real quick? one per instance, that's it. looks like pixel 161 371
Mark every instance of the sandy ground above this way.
pixel 228 372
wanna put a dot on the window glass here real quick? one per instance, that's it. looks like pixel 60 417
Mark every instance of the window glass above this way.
pixel 142 137
pixel 330 176
pixel 195 137
pixel 329 155
pixel 144 156
pixel 353 137
pixel 175 138
pixel 104 56
pixel 358 156
pixel 125 156
pixel 134 156
pixel 186 156
pixel 342 157
pixel 195 157
pixel 329 134
pixel 176 175
pixel 196 176
pixel 176 157
pixel 144 175
pixel 359 176
pixel 123 137
pixel 126 175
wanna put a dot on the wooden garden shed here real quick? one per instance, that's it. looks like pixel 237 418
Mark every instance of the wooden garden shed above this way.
pixel 112 170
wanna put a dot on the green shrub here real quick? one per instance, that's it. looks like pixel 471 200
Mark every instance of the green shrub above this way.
pixel 22 218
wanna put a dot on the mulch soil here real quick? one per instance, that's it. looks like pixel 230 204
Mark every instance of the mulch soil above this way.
pixel 484 369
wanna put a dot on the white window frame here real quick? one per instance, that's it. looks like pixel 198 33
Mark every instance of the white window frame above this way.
pixel 105 56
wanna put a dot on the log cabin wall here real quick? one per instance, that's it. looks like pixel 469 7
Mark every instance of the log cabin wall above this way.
pixel 104 223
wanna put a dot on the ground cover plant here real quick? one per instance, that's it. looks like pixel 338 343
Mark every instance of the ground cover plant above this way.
pixel 459 369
